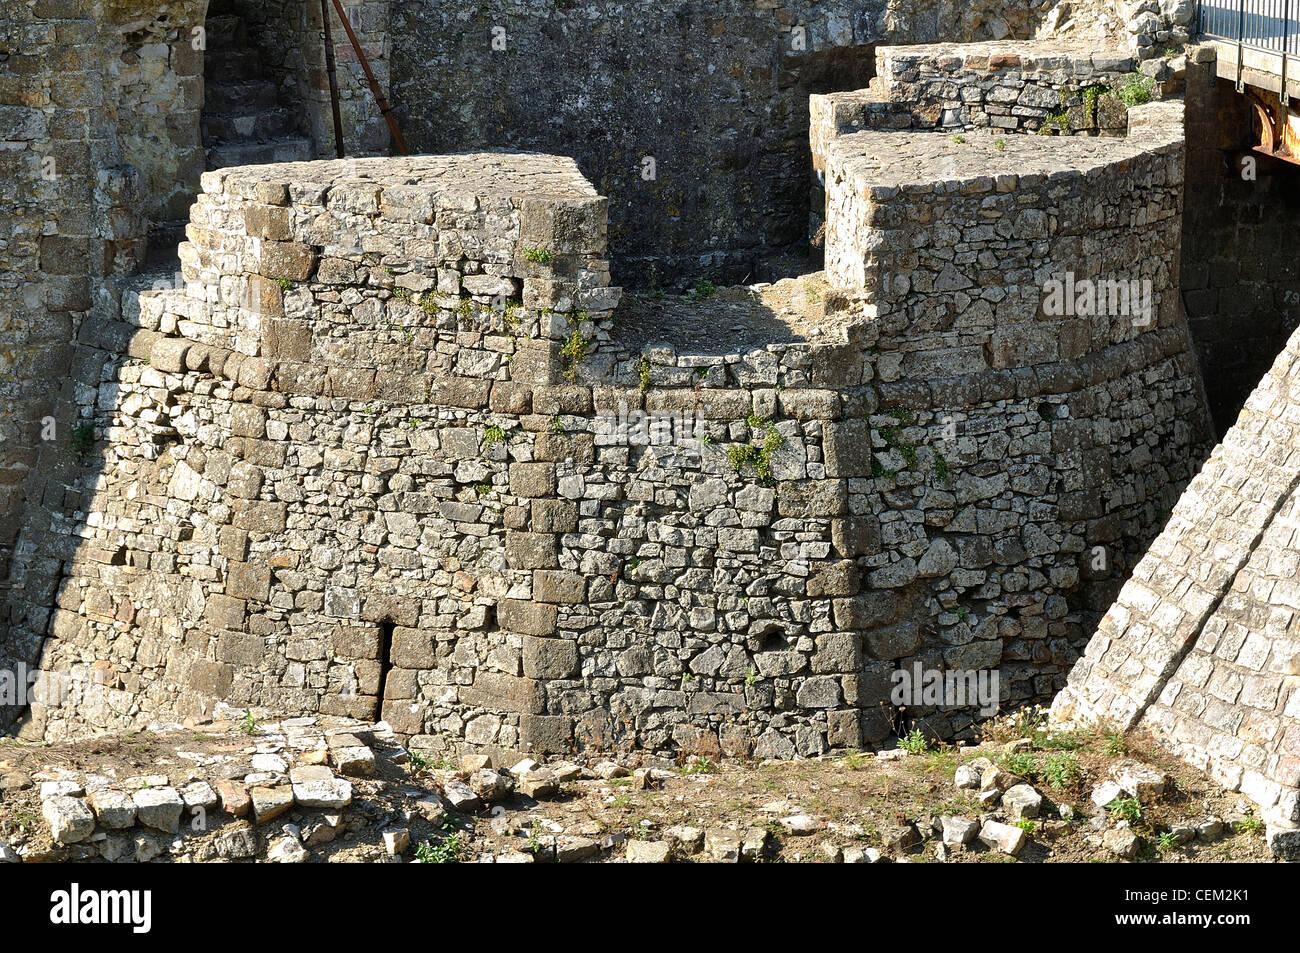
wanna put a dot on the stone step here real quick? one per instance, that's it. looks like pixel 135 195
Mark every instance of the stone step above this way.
pixel 243 62
pixel 291 149
pixel 225 32
pixel 232 98
pixel 264 125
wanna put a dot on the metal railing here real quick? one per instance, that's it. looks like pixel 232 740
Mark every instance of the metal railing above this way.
pixel 1270 25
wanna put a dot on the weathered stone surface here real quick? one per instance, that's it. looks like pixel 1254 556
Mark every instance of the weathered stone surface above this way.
pixel 1003 837
pixel 959 831
pixel 1021 801
pixel 647 852
pixel 159 808
pixel 270 803
pixel 115 810
pixel 316 786
pixel 69 819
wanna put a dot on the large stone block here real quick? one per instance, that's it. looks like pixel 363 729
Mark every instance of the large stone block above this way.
pixel 532 550
pixel 504 693
pixel 527 618
pixel 812 498
pixel 550 658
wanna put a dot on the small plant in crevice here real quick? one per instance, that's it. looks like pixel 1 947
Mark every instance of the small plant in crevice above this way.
pixel 959 139
pixel 941 469
pixel 1250 824
pixel 1059 120
pixel 573 352
pixel 510 314
pixel 1000 144
pixel 1091 96
pixel 464 310
pixel 892 435
pixel 1136 90
pixel 757 456
pixel 913 742
pixel 419 762
pixel 82 439
pixel 492 435
pixel 643 373
pixel 446 851
pixel 1126 809
pixel 539 256
pixel 1061 770
pixel 249 723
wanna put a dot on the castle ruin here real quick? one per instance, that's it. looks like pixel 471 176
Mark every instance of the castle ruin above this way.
pixel 525 444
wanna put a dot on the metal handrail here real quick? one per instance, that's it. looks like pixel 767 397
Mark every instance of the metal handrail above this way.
pixel 1267 25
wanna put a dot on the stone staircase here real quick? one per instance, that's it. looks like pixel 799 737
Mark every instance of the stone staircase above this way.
pixel 243 120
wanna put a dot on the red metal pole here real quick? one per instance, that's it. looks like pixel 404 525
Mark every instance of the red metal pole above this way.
pixel 333 77
pixel 384 108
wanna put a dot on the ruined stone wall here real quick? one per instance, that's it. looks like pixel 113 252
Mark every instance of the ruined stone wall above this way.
pixel 287 34
pixel 714 93
pixel 98 135
pixel 1054 88
pixel 369 463
pixel 1241 284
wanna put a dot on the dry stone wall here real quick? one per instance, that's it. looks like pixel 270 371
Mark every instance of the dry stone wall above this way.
pixel 397 450
pixel 99 116
pixel 1051 88
pixel 714 93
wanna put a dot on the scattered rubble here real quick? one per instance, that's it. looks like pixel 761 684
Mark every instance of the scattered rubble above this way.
pixel 278 792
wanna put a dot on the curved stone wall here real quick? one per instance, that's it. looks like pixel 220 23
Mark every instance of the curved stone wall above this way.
pixel 397 446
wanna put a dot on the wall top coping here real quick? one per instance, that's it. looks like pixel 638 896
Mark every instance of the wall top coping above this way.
pixel 1029 55
pixel 921 159
pixel 507 174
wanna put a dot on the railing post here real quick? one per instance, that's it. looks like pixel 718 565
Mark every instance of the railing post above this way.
pixel 1286 36
pixel 1241 43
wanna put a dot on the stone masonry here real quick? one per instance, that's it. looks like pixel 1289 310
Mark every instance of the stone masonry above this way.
pixel 372 459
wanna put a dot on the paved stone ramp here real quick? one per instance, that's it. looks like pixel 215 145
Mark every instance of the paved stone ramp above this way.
pixel 1201 646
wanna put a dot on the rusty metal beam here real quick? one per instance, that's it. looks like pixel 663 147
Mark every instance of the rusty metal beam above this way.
pixel 332 71
pixel 1276 125
pixel 384 108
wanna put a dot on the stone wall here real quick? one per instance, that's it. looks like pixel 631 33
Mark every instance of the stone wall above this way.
pixel 1241 285
pixel 373 460
pixel 99 111
pixel 715 94
pixel 288 36
pixel 1051 88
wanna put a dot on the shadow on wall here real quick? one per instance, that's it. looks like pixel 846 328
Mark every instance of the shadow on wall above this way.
pixel 1241 279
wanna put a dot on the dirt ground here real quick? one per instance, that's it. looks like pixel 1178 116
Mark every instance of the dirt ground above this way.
pixel 888 802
